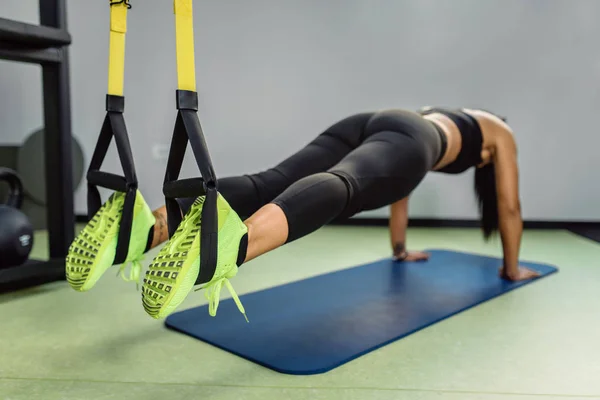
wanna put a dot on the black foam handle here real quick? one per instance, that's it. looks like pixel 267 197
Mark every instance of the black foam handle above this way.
pixel 107 180
pixel 182 188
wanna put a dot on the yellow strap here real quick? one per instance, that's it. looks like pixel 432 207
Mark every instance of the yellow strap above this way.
pixel 184 37
pixel 116 58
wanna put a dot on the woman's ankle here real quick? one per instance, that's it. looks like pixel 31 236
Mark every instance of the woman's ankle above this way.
pixel 267 230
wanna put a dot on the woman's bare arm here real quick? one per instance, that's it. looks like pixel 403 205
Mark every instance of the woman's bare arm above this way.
pixel 398 224
pixel 510 222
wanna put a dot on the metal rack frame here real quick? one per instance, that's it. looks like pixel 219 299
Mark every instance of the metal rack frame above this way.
pixel 47 45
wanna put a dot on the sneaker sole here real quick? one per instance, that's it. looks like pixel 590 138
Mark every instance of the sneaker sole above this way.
pixel 171 276
pixel 93 251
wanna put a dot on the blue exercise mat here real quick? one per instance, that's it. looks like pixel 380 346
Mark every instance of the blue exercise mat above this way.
pixel 317 324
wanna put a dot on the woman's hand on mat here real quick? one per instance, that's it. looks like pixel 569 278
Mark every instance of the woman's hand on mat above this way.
pixel 411 256
pixel 522 274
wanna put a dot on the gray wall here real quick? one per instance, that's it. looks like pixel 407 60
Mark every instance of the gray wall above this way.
pixel 272 74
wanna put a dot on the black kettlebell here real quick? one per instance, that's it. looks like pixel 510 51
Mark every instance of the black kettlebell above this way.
pixel 16 232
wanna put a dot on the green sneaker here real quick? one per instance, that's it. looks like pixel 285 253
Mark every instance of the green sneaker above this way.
pixel 93 250
pixel 173 273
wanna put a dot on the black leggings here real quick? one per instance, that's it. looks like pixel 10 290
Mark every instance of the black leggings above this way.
pixel 362 162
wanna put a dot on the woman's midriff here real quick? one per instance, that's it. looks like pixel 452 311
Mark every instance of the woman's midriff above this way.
pixel 453 138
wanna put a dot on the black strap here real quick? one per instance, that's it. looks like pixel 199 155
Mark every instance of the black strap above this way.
pixel 114 126
pixel 188 128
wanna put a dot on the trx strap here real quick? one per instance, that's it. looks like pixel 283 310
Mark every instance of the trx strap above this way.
pixel 184 42
pixel 114 126
pixel 116 58
pixel 188 128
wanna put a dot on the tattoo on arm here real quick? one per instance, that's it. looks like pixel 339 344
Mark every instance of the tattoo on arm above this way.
pixel 400 250
pixel 162 228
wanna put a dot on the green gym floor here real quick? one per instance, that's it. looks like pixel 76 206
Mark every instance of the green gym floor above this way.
pixel 538 342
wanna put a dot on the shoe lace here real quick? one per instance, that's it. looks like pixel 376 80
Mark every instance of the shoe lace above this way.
pixel 213 295
pixel 134 272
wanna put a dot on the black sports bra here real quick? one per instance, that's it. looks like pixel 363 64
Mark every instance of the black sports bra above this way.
pixel 472 139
